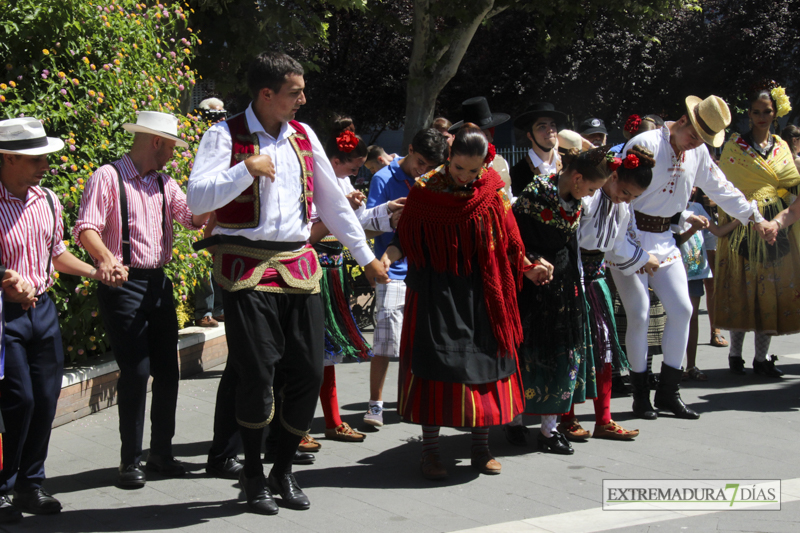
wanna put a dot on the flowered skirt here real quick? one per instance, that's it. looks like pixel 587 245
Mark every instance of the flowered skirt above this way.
pixel 343 339
pixel 605 343
pixel 556 359
pixel 439 403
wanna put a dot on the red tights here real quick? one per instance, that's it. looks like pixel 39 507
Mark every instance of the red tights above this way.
pixel 329 399
pixel 602 404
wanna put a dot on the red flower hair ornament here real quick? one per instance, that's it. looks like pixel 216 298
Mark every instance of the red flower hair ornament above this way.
pixel 630 162
pixel 632 124
pixel 491 152
pixel 613 162
pixel 347 141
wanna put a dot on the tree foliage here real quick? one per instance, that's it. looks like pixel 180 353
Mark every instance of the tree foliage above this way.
pixel 85 68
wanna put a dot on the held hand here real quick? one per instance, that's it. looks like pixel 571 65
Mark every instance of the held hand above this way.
pixel 767 230
pixel 395 218
pixel 539 274
pixel 650 267
pixel 394 205
pixel 549 268
pixel 260 165
pixel 376 272
pixel 385 261
pixel 356 199
pixel 698 222
pixel 19 291
pixel 120 275
pixel 105 271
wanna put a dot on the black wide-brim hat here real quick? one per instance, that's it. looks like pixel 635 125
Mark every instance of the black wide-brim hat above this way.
pixel 476 110
pixel 539 109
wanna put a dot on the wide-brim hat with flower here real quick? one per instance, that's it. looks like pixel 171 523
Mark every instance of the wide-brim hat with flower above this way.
pixel 26 136
pixel 709 117
pixel 155 123
pixel 476 110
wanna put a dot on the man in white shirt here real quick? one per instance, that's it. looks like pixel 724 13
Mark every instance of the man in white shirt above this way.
pixel 681 163
pixel 541 123
pixel 270 276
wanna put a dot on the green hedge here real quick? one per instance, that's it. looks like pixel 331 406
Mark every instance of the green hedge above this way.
pixel 85 68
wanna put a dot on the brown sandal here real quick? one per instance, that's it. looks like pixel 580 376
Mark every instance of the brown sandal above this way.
pixel 614 431
pixel 718 341
pixel 573 430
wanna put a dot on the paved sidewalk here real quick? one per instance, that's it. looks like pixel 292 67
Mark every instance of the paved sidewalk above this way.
pixel 749 429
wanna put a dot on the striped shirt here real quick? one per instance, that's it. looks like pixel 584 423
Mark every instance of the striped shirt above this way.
pixel 100 211
pixel 26 235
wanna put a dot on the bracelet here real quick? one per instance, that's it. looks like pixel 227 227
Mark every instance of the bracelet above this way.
pixel 778 222
pixel 526 268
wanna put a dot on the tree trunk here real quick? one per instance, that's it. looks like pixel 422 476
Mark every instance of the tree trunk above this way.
pixel 434 60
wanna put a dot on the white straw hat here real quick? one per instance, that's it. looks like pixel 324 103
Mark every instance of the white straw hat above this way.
pixel 26 136
pixel 568 139
pixel 155 123
pixel 709 117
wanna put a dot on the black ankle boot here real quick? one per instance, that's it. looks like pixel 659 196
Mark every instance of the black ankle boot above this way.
pixel 641 396
pixel 767 367
pixel 668 396
pixel 736 365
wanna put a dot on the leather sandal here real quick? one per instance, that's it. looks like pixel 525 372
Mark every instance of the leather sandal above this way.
pixel 718 341
pixel 343 432
pixel 614 431
pixel 432 467
pixel 484 462
pixel 309 444
pixel 694 374
pixel 573 430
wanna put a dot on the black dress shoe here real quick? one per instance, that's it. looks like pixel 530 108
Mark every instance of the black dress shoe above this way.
pixel 288 489
pixel 36 501
pixel 164 465
pixel 300 458
pixel 227 468
pixel 516 435
pixel 736 365
pixel 258 496
pixel 767 368
pixel 556 443
pixel 8 513
pixel 131 476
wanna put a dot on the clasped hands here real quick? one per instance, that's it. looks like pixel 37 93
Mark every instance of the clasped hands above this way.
pixel 18 290
pixel 111 273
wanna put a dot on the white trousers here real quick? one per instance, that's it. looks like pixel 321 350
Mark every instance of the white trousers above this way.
pixel 670 285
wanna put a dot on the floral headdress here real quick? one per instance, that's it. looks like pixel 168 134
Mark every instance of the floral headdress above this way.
pixel 632 124
pixel 781 100
pixel 346 141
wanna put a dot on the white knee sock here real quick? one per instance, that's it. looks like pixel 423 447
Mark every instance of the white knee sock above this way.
pixel 737 342
pixel 762 346
pixel 549 423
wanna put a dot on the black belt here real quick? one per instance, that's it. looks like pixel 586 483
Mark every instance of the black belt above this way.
pixel 145 273
pixel 244 241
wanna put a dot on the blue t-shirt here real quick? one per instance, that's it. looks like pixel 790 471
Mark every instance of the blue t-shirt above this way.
pixel 389 183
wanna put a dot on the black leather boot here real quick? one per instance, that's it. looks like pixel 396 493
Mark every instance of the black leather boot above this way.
pixel 641 396
pixel 668 395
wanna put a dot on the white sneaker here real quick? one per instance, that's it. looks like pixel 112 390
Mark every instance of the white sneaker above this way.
pixel 374 416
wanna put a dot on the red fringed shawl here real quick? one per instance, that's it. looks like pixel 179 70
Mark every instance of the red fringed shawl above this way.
pixel 460 226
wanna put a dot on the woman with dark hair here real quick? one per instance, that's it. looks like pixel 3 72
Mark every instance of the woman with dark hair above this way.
pixel 458 350
pixel 791 134
pixel 556 361
pixel 607 236
pixel 347 153
pixel 756 282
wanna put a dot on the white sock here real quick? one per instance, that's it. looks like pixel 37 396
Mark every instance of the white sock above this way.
pixel 379 403
pixel 549 423
pixel 517 421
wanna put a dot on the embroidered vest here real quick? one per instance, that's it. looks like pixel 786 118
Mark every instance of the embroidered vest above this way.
pixel 245 210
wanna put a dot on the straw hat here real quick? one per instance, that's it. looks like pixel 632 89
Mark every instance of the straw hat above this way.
pixel 568 139
pixel 709 117
pixel 26 136
pixel 155 123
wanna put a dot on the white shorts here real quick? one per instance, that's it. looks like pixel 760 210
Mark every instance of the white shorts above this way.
pixel 390 302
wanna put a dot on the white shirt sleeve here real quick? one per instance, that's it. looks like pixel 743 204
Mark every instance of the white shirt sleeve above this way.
pixel 626 254
pixel 714 183
pixel 213 182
